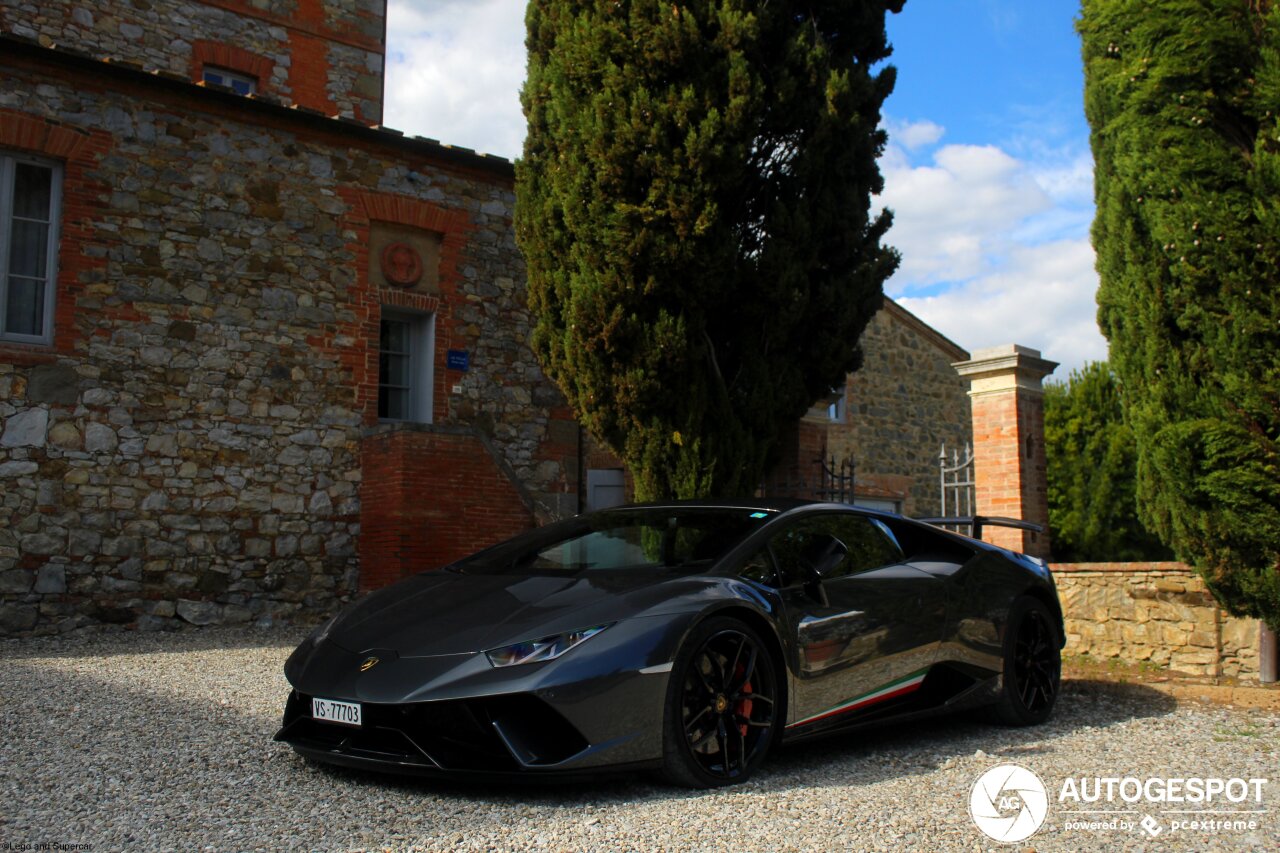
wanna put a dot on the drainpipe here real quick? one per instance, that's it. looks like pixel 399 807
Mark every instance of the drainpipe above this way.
pixel 1266 654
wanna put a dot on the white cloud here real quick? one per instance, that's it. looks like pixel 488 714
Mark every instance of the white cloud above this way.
pixel 952 219
pixel 913 134
pixel 1068 179
pixel 1042 297
pixel 995 248
pixel 454 72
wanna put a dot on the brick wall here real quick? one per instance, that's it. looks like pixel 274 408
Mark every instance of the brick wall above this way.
pixel 1009 468
pixel 326 55
pixel 801 448
pixel 998 463
pixel 431 495
pixel 1153 613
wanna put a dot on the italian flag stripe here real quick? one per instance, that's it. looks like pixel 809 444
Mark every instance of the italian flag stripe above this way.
pixel 901 687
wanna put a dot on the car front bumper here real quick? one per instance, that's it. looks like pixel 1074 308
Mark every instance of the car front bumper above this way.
pixel 598 706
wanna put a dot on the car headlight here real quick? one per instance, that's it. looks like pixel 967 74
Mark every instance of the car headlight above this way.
pixel 546 648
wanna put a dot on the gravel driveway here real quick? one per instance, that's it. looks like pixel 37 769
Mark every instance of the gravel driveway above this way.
pixel 163 741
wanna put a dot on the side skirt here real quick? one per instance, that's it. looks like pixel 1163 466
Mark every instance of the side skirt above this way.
pixel 938 690
pixel 892 690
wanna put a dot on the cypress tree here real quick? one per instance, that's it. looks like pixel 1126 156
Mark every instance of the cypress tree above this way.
pixel 693 205
pixel 1093 509
pixel 1182 99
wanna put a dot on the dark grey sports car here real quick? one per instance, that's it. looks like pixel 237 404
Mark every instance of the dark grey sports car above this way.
pixel 690 637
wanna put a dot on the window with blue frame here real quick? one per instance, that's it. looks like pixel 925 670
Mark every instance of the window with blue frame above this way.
pixel 241 84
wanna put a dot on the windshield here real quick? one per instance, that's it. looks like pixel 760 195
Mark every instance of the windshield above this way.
pixel 619 540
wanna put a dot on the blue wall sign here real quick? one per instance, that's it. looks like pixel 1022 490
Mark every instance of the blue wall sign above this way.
pixel 459 359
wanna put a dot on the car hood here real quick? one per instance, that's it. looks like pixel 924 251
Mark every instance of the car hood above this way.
pixel 445 612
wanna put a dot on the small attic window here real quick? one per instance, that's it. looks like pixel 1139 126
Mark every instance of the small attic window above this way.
pixel 241 84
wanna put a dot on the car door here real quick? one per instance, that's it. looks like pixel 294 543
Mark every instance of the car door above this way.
pixel 868 628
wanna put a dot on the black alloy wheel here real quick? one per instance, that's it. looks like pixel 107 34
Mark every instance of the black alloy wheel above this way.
pixel 1032 666
pixel 722 706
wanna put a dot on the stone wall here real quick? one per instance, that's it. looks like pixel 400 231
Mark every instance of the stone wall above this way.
pixel 323 54
pixel 905 402
pixel 1153 613
pixel 190 445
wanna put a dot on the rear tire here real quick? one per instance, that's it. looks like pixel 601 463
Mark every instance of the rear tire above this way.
pixel 1032 665
pixel 723 706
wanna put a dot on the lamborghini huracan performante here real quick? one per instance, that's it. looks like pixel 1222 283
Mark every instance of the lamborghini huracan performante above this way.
pixel 686 637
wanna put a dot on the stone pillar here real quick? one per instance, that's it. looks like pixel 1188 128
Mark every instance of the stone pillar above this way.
pixel 1008 442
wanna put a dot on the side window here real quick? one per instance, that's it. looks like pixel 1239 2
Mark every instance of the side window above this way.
pixel 241 84
pixel 30 194
pixel 794 549
pixel 760 569
pixel 869 546
pixel 406 347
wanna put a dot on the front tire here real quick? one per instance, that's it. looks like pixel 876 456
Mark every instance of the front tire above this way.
pixel 1032 665
pixel 722 708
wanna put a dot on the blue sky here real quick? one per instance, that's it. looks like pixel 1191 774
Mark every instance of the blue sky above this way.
pixel 987 171
pixel 991 71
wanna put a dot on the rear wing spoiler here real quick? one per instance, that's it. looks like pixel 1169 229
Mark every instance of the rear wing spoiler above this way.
pixel 977 522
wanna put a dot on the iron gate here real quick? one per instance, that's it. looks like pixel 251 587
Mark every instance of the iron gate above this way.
pixel 828 479
pixel 955 483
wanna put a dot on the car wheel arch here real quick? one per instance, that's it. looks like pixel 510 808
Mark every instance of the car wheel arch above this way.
pixel 681 763
pixel 1055 609
pixel 1013 706
pixel 768 632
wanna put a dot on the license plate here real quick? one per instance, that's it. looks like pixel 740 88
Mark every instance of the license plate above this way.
pixel 333 711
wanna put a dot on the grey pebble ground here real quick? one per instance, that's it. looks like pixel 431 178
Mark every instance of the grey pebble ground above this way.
pixel 127 741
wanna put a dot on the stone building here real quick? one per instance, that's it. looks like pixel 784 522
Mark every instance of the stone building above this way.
pixel 244 336
pixel 324 55
pixel 258 352
pixel 885 427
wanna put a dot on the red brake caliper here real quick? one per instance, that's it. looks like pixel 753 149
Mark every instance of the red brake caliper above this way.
pixel 743 708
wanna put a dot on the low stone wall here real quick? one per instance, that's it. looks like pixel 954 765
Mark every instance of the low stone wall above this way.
pixel 1158 613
